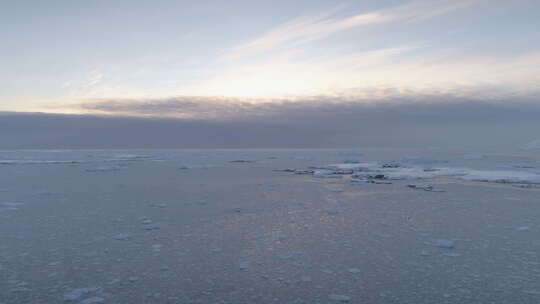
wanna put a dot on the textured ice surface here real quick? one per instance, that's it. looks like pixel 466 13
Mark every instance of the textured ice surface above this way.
pixel 448 244
pixel 339 298
pixel 256 232
pixel 533 145
pixel 419 172
pixel 10 206
pixel 77 294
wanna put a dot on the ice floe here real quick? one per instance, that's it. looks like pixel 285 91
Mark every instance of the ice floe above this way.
pixel 130 157
pixel 339 298
pixel 105 169
pixel 10 206
pixel 326 174
pixel 447 244
pixel 188 167
pixel 473 156
pixel 93 300
pixel 244 265
pixel 533 145
pixel 37 162
pixel 121 237
pixel 77 294
pixel 425 187
pixel 371 172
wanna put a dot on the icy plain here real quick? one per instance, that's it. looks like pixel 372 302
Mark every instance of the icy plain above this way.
pixel 273 226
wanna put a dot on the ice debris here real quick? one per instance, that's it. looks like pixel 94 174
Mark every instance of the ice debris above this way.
pixel 447 244
pixel 151 226
pixel 76 294
pixel 533 145
pixel 473 156
pixel 10 206
pixel 244 265
pixel 339 298
pixel 325 174
pixel 382 173
pixel 93 300
pixel 104 169
pixel 425 187
pixel 121 237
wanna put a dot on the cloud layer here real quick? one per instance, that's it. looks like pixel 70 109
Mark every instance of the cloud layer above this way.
pixel 451 123
pixel 397 104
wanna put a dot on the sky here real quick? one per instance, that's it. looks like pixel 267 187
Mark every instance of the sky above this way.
pixel 262 62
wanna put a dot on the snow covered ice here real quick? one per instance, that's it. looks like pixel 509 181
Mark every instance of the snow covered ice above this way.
pixel 278 227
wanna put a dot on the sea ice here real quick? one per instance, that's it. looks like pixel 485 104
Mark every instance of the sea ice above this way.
pixel 121 237
pixel 244 265
pixel 374 171
pixel 473 156
pixel 533 145
pixel 76 294
pixel 10 206
pixel 425 187
pixel 153 226
pixel 325 174
pixel 331 212
pixel 103 169
pixel 339 298
pixel 93 300
pixel 448 244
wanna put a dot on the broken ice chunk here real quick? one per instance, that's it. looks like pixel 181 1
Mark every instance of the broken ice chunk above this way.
pixel 425 187
pixel 10 206
pixel 152 226
pixel 424 253
pixel 325 174
pixel 448 244
pixel 244 265
pixel 93 300
pixel 76 294
pixel 104 169
pixel 339 298
pixel 473 156
pixel 121 237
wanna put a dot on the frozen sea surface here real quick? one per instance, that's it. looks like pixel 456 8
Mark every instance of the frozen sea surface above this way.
pixel 275 226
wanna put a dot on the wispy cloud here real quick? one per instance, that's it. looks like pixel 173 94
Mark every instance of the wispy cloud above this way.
pixel 94 78
pixel 411 67
pixel 319 26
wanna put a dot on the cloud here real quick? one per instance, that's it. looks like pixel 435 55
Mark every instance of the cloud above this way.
pixel 406 66
pixel 445 121
pixel 395 106
pixel 55 131
pixel 94 78
pixel 319 26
